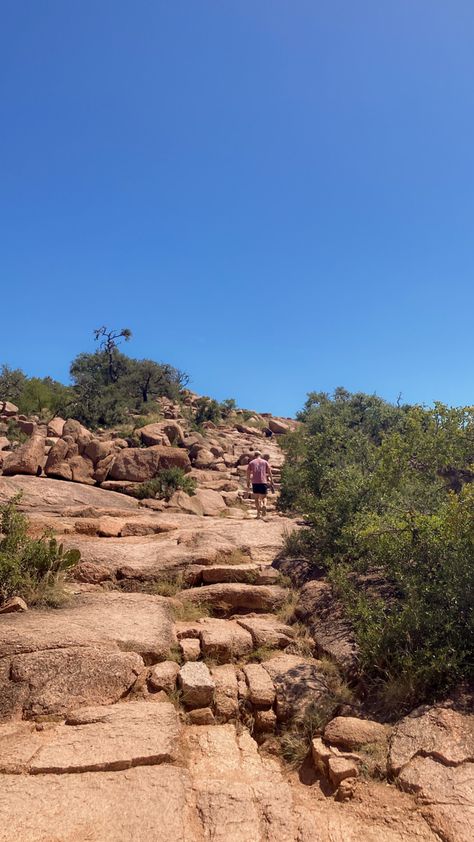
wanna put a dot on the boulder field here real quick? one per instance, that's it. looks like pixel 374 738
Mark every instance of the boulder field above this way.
pixel 154 704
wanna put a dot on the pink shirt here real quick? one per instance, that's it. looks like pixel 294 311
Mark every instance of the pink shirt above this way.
pixel 258 470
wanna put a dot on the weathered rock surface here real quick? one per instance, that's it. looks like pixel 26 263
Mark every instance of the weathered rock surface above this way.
pixel 224 640
pixel 261 689
pixel 115 737
pixel 163 676
pixel 135 622
pixel 350 732
pixel 447 792
pixel 55 497
pixel 196 684
pixel 298 682
pixel 140 803
pixel 329 626
pixel 54 681
pixel 226 701
pixel 442 733
pixel 237 597
pixel 26 459
pixel 137 464
pixel 267 631
pixel 432 750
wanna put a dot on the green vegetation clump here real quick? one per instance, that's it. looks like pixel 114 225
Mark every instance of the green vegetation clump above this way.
pixel 387 497
pixel 30 568
pixel 163 486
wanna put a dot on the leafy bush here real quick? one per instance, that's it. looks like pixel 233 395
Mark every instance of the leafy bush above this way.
pixel 386 489
pixel 165 484
pixel 31 568
pixel 207 409
pixel 14 433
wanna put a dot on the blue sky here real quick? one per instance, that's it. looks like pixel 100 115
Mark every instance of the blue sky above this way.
pixel 274 195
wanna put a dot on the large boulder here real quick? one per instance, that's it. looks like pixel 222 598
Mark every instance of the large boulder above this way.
pixel 137 464
pixel 349 732
pixel 277 426
pixel 164 432
pixel 58 461
pixel 212 502
pixel 8 409
pixel 76 430
pixel 56 427
pixel 26 459
pixel 153 434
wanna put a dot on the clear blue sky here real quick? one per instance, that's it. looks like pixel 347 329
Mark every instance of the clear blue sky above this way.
pixel 274 195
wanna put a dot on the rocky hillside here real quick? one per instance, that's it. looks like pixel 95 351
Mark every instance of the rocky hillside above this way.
pixel 188 689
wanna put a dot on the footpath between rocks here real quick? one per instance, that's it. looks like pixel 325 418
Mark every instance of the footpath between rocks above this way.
pixel 152 706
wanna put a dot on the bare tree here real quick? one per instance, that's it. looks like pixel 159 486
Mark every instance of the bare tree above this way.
pixel 109 341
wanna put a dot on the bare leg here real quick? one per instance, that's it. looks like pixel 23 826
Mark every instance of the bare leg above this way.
pixel 258 504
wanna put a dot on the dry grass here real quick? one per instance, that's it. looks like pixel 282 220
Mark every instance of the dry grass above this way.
pixel 167 587
pixel 189 611
pixel 236 556
pixel 286 612
pixel 50 592
pixel 260 654
pixel 175 654
pixel 374 760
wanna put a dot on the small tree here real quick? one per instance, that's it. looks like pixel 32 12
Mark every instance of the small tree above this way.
pixel 12 382
pixel 109 341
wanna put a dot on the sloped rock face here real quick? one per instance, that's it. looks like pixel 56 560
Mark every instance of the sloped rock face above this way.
pixel 97 807
pixel 112 737
pixel 55 497
pixel 329 626
pixel 432 751
pixel 90 746
pixel 52 682
pixel 92 652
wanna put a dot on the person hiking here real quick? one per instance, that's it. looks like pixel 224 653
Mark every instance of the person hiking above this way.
pixel 259 473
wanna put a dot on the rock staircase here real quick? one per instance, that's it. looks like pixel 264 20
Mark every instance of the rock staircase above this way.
pixel 154 705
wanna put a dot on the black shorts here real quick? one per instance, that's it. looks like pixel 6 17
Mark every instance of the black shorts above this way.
pixel 259 488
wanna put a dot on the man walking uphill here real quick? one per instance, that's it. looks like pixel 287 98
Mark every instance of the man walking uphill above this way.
pixel 259 474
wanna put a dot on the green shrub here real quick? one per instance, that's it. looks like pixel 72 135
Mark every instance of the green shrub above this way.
pixel 163 486
pixel 207 409
pixel 31 568
pixel 387 490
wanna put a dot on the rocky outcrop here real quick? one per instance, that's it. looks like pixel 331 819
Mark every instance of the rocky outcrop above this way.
pixel 140 464
pixel 328 623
